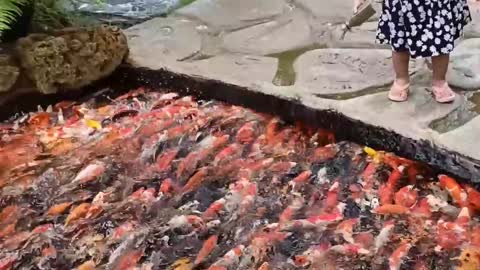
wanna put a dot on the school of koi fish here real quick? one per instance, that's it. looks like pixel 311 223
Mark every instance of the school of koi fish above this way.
pixel 153 180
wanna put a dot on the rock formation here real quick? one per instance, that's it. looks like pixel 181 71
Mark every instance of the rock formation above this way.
pixel 66 59
pixel 9 72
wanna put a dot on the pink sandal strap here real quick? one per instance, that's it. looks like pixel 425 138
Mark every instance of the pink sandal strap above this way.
pixel 398 93
pixel 443 94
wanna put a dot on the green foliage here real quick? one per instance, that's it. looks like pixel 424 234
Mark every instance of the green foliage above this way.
pixel 9 10
pixel 186 2
pixel 48 14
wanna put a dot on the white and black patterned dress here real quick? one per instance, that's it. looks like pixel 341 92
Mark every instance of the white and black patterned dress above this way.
pixel 425 28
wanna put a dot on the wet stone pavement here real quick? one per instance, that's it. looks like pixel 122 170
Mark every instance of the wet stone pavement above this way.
pixel 292 49
pixel 153 180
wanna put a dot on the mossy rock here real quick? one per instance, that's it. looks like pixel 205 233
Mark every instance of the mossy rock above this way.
pixel 9 72
pixel 71 58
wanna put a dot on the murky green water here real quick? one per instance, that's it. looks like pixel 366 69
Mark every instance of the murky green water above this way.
pixel 285 75
pixel 355 94
pixel 460 116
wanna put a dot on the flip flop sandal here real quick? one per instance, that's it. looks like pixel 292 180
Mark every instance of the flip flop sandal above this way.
pixel 398 93
pixel 443 94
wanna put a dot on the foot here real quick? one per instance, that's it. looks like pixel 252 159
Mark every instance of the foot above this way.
pixel 442 92
pixel 399 91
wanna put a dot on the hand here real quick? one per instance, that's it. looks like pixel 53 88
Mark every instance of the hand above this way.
pixel 357 4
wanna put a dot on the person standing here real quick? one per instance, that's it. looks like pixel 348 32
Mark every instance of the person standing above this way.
pixel 418 29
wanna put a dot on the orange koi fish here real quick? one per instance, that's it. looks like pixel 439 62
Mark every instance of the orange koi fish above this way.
pixel 349 249
pixel 271 129
pixel 144 195
pixel 264 266
pixel 288 213
pixel 91 172
pixel 49 251
pixel 422 209
pixel 232 257
pixel 324 153
pixel 195 181
pixel 368 176
pixel 88 265
pixel 345 228
pixel 413 172
pixel 420 265
pixel 6 263
pixel 475 236
pixel 451 234
pixel 228 153
pixel 40 120
pixel 214 209
pixel 122 230
pixel 386 194
pixel 42 228
pixel 391 209
pixel 314 253
pixel 384 236
pixel 246 134
pixel 207 248
pixel 165 160
pixel 457 193
pixel 58 209
pixel 300 180
pixel 331 200
pixel 216 267
pixel 77 213
pixel 406 196
pixel 282 166
pixel 364 239
pixel 398 255
pixel 395 177
pixel 129 260
pixel 473 196
pixel 167 187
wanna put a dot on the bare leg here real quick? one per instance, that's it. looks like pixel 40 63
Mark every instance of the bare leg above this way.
pixel 442 92
pixel 400 65
pixel 439 66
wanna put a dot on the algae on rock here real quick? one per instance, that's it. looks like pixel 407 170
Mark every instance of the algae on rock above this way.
pixel 9 72
pixel 71 58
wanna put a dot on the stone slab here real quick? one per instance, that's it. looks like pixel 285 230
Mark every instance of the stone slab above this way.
pixel 464 69
pixel 236 68
pixel 473 29
pixel 288 32
pixel 464 139
pixel 359 37
pixel 339 71
pixel 328 11
pixel 334 12
pixel 224 15
pixel 160 41
pixel 412 118
pixel 321 75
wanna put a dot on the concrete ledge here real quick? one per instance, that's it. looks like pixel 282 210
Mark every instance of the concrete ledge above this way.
pixel 291 108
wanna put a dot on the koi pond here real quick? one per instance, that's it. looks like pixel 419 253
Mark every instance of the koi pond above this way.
pixel 156 180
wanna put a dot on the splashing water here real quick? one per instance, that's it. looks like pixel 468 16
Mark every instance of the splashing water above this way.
pixel 133 8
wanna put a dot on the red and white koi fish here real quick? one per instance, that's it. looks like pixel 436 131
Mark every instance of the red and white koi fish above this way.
pixel 91 172
pixel 230 259
pixel 384 235
pixel 345 228
pixel 398 256
pixel 208 246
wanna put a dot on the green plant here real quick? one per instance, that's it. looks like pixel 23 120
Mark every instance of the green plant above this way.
pixel 48 14
pixel 9 11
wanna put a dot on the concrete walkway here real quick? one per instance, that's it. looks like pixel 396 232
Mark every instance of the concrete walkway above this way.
pixel 292 49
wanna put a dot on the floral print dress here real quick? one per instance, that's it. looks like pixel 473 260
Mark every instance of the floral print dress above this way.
pixel 424 28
